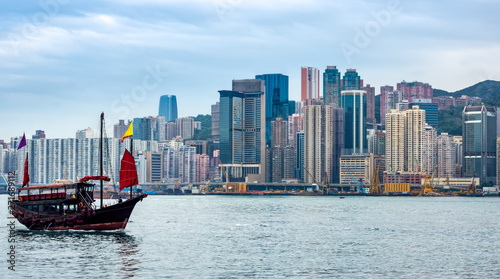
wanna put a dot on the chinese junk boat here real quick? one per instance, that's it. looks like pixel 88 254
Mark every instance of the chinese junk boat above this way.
pixel 71 206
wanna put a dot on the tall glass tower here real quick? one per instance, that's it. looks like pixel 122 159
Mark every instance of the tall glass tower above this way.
pixel 479 142
pixel 354 104
pixel 276 99
pixel 331 85
pixel 168 107
pixel 351 80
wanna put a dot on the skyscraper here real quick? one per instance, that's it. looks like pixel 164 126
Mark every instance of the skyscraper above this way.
pixel 143 129
pixel 168 107
pixel 318 141
pixel 242 133
pixel 331 85
pixel 309 83
pixel 279 132
pixel 185 127
pixel 299 155
pixel 394 141
pixel 479 142
pixel 431 111
pixel 216 122
pixel 294 125
pixel 354 104
pixel 119 129
pixel 370 103
pixel 276 99
pixel 384 102
pixel 160 128
pixel 414 139
pixel 351 80
pixel 415 90
pixel 446 156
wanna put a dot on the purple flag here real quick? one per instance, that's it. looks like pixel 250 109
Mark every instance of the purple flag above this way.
pixel 22 143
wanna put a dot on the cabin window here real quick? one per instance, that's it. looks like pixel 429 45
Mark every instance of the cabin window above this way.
pixel 35 208
pixel 30 207
pixel 61 193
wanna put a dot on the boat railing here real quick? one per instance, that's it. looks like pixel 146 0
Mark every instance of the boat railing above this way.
pixel 87 201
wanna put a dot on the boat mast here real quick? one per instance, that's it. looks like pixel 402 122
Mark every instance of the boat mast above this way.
pixel 100 155
pixel 132 153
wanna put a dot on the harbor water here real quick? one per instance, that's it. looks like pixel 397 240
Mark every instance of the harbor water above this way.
pixel 273 237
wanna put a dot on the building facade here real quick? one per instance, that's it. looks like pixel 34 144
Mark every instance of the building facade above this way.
pixel 479 142
pixel 331 85
pixel 168 107
pixel 309 83
pixel 354 104
pixel 242 128
pixel 318 142
pixel 276 99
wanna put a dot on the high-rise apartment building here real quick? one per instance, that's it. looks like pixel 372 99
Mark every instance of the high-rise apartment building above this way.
pixel 279 133
pixel 85 133
pixel 185 127
pixel 160 128
pixel 415 90
pixel 331 86
pixel 414 139
pixel 498 159
pixel 431 110
pixel 276 99
pixel 394 141
pixel 309 83
pixel 216 122
pixel 168 107
pixel 354 104
pixel 479 142
pixel 170 131
pixel 143 128
pixel 446 161
pixel 338 141
pixel 429 150
pixel 318 142
pixel 299 155
pixel 242 128
pixel 351 80
pixel 119 129
pixel 294 125
pixel 39 134
pixel 370 103
pixel 384 107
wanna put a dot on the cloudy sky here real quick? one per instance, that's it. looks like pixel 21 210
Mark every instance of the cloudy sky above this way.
pixel 63 62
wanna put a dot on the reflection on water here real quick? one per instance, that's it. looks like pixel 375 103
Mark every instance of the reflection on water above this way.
pixel 79 253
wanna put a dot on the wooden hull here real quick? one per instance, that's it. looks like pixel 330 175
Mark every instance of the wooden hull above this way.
pixel 108 218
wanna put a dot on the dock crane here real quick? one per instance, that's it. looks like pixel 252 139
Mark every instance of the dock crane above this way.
pixel 355 184
pixel 393 174
pixel 324 190
pixel 375 182
pixel 225 174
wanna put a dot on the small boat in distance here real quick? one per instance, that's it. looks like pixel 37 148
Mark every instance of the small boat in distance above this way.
pixel 71 205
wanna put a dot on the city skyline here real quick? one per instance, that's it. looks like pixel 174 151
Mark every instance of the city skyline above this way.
pixel 60 58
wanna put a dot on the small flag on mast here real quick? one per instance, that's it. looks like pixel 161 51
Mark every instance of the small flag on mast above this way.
pixel 22 143
pixel 129 132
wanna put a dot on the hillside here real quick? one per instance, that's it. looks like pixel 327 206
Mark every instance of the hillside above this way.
pixel 488 90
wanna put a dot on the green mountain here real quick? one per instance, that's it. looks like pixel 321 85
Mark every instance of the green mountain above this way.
pixel 488 91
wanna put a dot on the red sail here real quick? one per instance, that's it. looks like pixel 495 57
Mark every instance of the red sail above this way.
pixel 128 171
pixel 26 178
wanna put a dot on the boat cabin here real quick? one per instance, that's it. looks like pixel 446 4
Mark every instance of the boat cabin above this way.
pixel 57 198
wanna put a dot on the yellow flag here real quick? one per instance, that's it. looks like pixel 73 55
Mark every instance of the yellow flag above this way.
pixel 129 132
